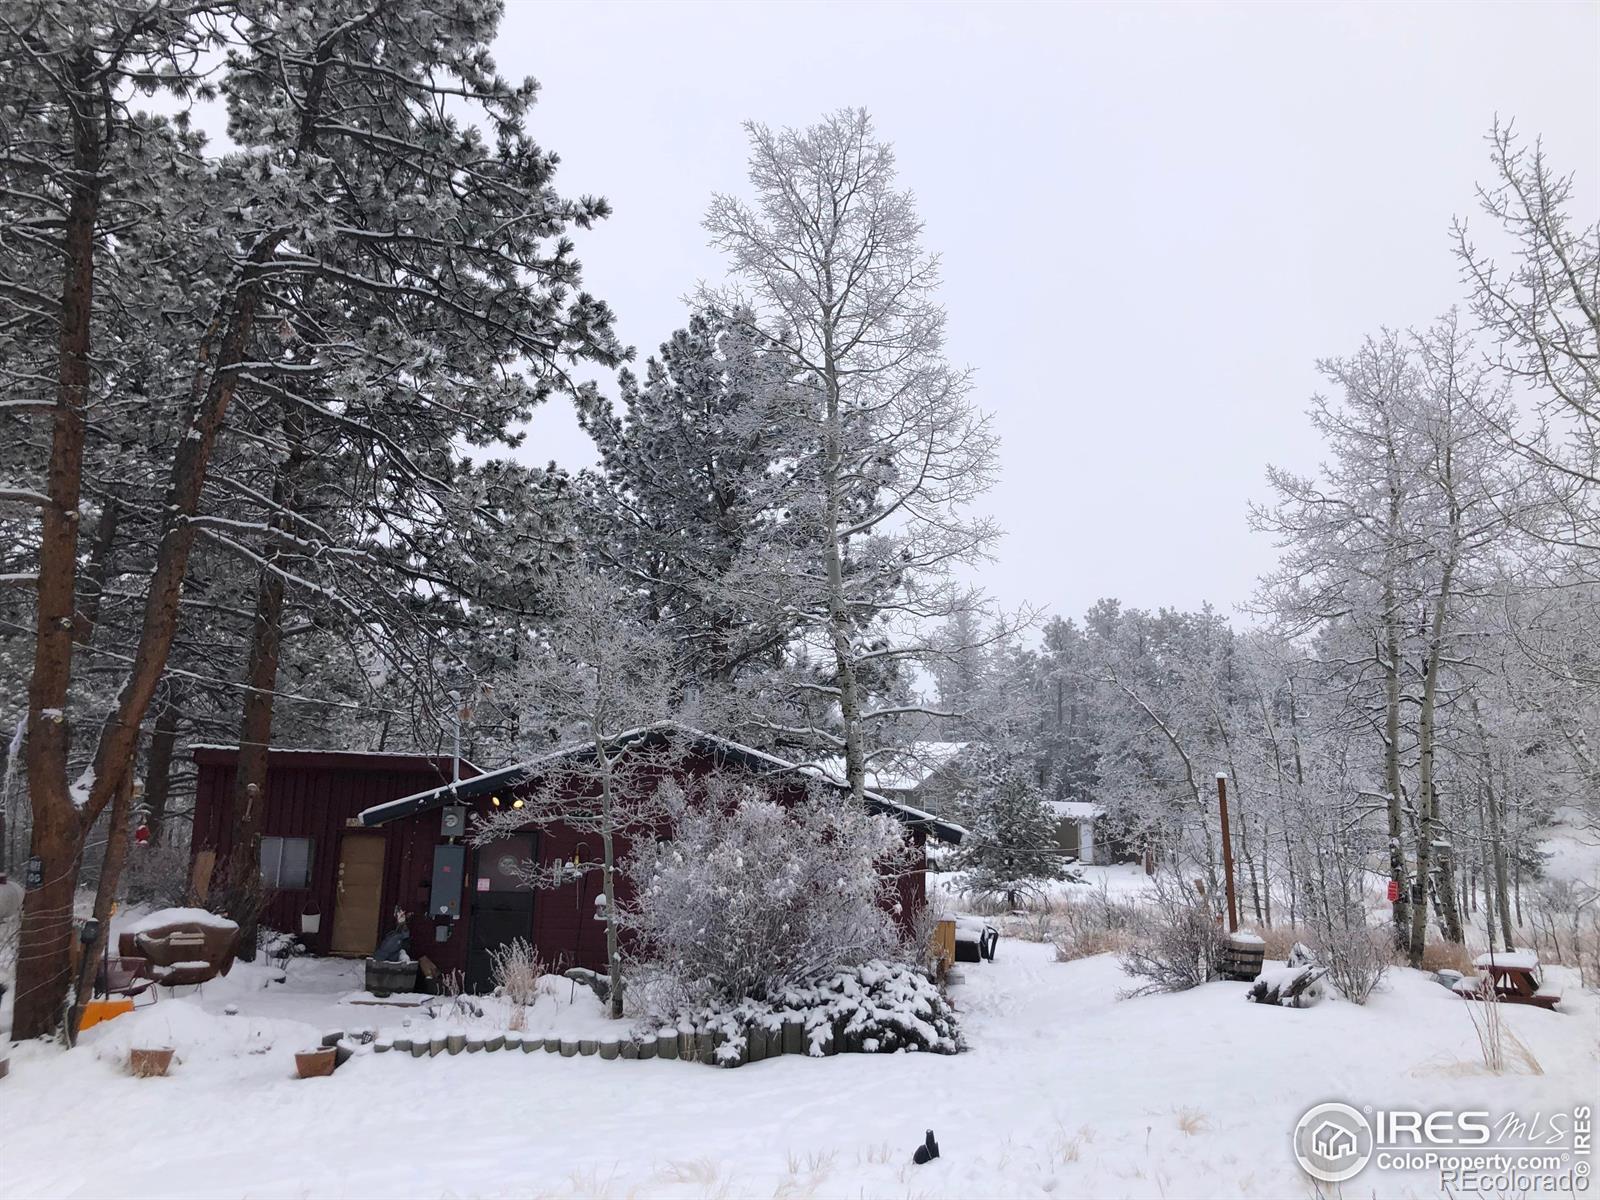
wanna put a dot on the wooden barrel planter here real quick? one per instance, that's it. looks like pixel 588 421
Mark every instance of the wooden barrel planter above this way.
pixel 386 978
pixel 1240 956
pixel 150 1063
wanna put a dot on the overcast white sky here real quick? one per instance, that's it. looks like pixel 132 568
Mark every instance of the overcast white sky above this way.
pixel 1153 219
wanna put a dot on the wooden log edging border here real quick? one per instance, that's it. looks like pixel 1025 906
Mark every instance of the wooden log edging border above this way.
pixel 692 1045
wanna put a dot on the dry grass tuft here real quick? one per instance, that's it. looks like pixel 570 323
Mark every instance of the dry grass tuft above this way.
pixel 1440 955
pixel 1501 1047
pixel 1280 939
pixel 1067 1146
pixel 1088 943
pixel 814 1162
pixel 1192 1121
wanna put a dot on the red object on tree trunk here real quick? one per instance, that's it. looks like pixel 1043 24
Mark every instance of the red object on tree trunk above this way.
pixel 1394 890
pixel 141 835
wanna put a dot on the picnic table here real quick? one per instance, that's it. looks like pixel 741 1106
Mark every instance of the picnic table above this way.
pixel 1515 977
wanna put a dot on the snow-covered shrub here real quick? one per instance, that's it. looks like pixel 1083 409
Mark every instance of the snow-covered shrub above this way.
pixel 750 897
pixel 878 1007
pixel 516 970
pixel 881 1007
pixel 1176 939
pixel 1356 955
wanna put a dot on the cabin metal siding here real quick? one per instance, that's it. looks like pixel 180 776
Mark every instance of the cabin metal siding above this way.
pixel 320 796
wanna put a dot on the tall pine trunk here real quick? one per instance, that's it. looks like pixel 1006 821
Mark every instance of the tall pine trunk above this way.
pixel 255 726
pixel 158 766
pixel 105 893
pixel 44 953
pixel 44 950
pixel 92 592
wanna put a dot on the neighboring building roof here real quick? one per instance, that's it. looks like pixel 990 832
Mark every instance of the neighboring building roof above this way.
pixel 898 770
pixel 756 760
pixel 308 756
pixel 1077 810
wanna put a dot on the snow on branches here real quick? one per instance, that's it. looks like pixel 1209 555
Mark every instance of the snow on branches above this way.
pixel 751 897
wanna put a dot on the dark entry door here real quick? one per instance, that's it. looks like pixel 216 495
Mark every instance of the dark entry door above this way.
pixel 502 904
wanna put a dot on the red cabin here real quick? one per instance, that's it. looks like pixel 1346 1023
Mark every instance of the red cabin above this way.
pixel 352 837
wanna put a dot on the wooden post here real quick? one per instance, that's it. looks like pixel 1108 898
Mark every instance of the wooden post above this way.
pixel 1227 854
pixel 944 944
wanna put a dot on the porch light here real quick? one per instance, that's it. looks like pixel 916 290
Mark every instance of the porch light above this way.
pixel 517 803
pixel 495 800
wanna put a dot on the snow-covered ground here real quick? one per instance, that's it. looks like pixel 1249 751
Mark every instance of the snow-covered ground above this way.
pixel 1066 1091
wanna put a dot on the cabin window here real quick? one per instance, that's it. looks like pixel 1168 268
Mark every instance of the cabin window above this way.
pixel 286 863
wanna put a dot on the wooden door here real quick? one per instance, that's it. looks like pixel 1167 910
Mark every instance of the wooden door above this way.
pixel 358 894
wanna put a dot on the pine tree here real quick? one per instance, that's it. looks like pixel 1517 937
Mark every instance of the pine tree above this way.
pixel 1010 850
pixel 687 506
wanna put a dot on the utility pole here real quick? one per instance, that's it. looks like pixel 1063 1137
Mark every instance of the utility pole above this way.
pixel 461 715
pixel 1227 854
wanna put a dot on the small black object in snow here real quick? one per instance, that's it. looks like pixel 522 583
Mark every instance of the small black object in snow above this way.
pixel 927 1152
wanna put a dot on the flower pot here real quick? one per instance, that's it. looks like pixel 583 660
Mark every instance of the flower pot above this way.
pixel 311 1063
pixel 150 1063
pixel 311 920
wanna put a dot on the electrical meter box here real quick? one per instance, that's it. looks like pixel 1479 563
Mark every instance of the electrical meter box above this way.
pixel 444 899
pixel 453 821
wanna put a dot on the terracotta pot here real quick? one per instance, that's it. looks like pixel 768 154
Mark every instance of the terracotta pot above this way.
pixel 312 1063
pixel 151 1063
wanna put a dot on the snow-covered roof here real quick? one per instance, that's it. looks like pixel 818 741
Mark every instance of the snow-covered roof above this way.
pixel 518 773
pixel 418 756
pixel 1076 810
pixel 902 770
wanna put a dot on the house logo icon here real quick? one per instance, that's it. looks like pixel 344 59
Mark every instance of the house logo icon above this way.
pixel 1333 1142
